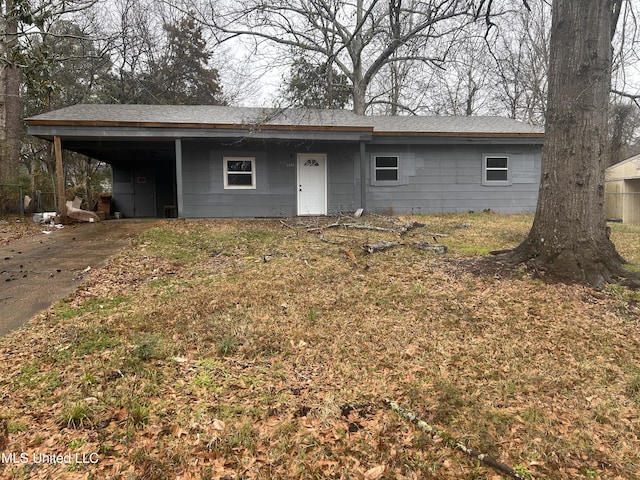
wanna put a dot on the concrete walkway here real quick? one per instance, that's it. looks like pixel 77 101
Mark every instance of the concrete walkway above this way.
pixel 37 271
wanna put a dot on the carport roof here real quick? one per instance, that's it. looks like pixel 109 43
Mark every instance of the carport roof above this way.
pixel 193 117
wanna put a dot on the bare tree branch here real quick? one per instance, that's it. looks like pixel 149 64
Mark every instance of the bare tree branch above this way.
pixel 359 38
pixel 633 97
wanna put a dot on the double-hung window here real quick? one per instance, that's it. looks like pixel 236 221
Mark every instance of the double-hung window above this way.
pixel 386 169
pixel 496 170
pixel 239 172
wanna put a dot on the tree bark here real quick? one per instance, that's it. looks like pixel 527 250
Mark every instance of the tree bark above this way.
pixel 10 120
pixel 569 238
pixel 359 96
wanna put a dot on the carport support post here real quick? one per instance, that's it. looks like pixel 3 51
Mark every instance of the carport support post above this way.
pixel 57 148
pixel 179 191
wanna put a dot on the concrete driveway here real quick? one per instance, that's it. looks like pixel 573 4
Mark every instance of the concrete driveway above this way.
pixel 36 271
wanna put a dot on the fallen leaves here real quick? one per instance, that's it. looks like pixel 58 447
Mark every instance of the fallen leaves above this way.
pixel 12 228
pixel 374 473
pixel 198 365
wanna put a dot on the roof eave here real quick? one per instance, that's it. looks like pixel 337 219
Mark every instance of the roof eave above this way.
pixel 462 134
pixel 194 126
pixel 139 133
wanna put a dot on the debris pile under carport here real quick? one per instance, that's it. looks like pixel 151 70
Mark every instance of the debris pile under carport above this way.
pixel 74 212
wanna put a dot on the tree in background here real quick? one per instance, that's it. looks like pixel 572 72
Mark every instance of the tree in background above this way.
pixel 624 123
pixel 133 28
pixel 520 62
pixel 316 86
pixel 160 64
pixel 182 73
pixel 360 38
pixel 20 20
pixel 461 86
pixel 67 67
pixel 396 89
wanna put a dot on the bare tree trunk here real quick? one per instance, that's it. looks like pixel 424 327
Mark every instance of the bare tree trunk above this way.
pixel 4 146
pixel 10 131
pixel 359 98
pixel 13 126
pixel 569 237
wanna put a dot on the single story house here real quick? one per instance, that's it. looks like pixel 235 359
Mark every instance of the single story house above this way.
pixel 622 191
pixel 217 161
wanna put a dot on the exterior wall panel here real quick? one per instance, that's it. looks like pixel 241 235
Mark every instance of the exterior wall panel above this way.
pixel 122 190
pixel 431 178
pixel 275 193
pixel 449 179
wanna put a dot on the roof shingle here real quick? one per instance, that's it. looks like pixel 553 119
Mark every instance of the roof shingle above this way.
pixel 206 115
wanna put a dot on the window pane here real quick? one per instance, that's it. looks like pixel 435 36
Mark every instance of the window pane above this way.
pixel 496 162
pixel 387 175
pixel 388 162
pixel 239 179
pixel 238 165
pixel 497 175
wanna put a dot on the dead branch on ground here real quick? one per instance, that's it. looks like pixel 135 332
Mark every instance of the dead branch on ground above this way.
pixel 359 226
pixel 452 442
pixel 382 246
pixel 399 230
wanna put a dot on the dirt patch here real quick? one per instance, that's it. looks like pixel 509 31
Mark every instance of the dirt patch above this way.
pixel 38 269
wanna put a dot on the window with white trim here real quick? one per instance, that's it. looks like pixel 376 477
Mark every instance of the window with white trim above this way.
pixel 239 172
pixel 386 169
pixel 496 170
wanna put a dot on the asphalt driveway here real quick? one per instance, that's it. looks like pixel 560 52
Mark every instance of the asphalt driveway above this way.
pixel 38 270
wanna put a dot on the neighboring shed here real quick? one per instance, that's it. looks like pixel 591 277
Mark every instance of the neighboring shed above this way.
pixel 211 161
pixel 622 191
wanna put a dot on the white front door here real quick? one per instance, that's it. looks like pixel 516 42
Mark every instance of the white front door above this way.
pixel 312 184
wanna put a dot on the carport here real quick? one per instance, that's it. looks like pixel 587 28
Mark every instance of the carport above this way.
pixel 143 158
pixel 144 171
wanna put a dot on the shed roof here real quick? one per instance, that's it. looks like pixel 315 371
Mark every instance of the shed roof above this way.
pixel 222 117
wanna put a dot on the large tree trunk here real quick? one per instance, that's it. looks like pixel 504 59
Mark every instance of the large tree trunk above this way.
pixel 569 237
pixel 10 130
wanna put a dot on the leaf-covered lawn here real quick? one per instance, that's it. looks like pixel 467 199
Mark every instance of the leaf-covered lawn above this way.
pixel 265 349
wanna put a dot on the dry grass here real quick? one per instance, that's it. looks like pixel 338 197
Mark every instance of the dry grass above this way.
pixel 260 349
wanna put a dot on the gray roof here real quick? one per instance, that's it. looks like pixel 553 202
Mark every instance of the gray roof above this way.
pixel 201 116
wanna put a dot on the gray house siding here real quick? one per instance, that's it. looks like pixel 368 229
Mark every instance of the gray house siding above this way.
pixel 341 172
pixel 434 179
pixel 274 194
